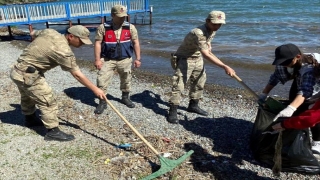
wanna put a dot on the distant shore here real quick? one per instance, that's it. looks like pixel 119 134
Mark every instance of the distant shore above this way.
pixel 10 2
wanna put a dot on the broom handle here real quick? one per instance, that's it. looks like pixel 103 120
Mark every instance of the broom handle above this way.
pixel 247 87
pixel 132 128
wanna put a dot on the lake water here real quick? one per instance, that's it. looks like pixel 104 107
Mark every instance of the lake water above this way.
pixel 246 43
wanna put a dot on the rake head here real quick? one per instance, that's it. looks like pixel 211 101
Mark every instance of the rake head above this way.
pixel 167 165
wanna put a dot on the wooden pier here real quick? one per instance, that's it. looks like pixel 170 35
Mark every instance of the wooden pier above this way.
pixel 28 14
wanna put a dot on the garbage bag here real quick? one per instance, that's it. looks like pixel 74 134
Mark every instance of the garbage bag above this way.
pixel 296 154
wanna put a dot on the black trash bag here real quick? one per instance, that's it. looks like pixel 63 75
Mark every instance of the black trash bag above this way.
pixel 296 154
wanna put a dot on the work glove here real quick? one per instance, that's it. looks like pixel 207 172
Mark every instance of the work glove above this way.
pixel 287 112
pixel 262 98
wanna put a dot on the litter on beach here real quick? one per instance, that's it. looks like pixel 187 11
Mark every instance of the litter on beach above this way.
pixel 124 146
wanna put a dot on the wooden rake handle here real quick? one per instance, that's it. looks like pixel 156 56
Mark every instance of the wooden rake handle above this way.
pixel 245 86
pixel 132 128
pixel 242 83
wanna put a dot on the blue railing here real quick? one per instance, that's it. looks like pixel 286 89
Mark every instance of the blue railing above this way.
pixel 60 11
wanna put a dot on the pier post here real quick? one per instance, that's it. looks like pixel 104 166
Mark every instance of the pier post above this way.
pixel 70 23
pixel 151 9
pixel 10 32
pixel 30 30
pixel 78 21
pixel 47 24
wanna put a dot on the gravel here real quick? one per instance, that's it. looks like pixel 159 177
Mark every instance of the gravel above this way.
pixel 220 141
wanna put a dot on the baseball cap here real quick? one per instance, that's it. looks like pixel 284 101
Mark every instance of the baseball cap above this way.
pixel 217 17
pixel 119 10
pixel 81 32
pixel 284 54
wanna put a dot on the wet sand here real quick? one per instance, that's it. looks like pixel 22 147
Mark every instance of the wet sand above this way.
pixel 157 61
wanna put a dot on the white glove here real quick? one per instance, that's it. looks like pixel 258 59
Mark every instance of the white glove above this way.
pixel 262 97
pixel 287 112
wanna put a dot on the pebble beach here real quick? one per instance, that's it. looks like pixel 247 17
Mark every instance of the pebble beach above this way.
pixel 220 141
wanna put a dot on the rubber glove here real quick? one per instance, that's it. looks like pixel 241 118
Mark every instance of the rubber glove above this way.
pixel 287 112
pixel 262 98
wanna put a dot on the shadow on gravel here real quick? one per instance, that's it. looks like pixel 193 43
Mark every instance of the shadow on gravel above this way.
pixel 15 117
pixel 75 126
pixel 230 142
pixel 86 96
pixel 20 38
pixel 150 100
pixel 83 94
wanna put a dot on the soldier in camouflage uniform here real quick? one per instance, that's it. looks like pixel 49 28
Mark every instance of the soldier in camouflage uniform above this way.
pixel 190 66
pixel 48 50
pixel 115 43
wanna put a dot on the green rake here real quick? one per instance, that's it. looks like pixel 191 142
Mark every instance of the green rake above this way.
pixel 166 164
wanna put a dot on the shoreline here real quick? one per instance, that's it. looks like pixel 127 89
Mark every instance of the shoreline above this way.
pixel 158 79
pixel 165 80
pixel 157 61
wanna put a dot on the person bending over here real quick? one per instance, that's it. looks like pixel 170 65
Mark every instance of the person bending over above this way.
pixel 48 50
pixel 304 70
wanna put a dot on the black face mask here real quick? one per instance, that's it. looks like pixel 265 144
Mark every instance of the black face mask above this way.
pixel 294 70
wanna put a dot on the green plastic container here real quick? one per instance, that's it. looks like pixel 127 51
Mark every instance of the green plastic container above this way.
pixel 274 105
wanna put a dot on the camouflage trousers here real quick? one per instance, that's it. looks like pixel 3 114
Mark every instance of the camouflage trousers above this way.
pixel 192 70
pixel 123 68
pixel 39 94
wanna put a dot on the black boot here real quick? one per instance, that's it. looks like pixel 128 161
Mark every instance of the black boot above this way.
pixel 193 107
pixel 125 100
pixel 56 134
pixel 172 116
pixel 101 107
pixel 32 120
